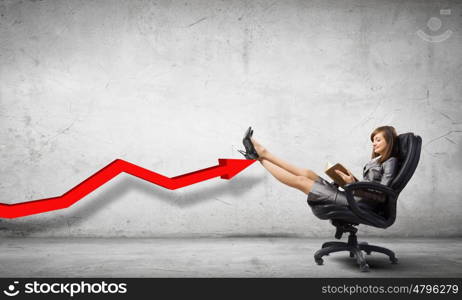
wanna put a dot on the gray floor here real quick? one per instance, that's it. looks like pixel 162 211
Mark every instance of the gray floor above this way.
pixel 220 257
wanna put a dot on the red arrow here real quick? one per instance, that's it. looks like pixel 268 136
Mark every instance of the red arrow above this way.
pixel 226 169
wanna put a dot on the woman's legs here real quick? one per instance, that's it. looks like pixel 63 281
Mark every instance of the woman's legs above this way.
pixel 299 182
pixel 301 179
pixel 265 154
pixel 288 167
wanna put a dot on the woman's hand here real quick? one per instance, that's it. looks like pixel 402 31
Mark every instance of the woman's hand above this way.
pixel 348 178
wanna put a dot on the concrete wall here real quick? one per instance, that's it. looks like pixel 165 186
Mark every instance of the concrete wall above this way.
pixel 172 85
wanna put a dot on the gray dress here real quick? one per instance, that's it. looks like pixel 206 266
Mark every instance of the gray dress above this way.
pixel 324 192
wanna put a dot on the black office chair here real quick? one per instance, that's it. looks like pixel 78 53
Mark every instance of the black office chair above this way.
pixel 345 219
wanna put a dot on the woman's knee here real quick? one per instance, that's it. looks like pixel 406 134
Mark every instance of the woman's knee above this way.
pixel 310 174
pixel 303 183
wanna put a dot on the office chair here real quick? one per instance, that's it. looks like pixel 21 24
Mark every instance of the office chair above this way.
pixel 407 150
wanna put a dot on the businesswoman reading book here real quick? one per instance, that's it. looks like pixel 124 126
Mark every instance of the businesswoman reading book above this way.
pixel 381 168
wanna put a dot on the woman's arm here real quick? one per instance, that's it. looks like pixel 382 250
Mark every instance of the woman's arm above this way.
pixel 390 168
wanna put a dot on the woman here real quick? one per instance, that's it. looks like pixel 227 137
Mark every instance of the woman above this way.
pixel 381 168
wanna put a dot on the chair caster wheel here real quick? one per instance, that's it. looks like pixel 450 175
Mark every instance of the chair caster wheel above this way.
pixel 319 261
pixel 394 260
pixel 352 254
pixel 364 267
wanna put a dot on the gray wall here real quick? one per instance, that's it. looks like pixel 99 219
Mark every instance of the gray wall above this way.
pixel 172 85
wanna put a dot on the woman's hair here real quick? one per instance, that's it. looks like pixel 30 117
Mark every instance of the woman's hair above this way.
pixel 390 135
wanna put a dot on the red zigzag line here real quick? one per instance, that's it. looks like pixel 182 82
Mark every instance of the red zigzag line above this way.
pixel 226 169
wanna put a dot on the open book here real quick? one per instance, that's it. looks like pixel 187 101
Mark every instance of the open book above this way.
pixel 330 171
pixel 373 195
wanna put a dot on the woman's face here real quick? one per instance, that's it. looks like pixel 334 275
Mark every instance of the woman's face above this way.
pixel 379 144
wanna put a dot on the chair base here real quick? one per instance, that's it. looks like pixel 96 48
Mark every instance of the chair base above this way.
pixel 355 250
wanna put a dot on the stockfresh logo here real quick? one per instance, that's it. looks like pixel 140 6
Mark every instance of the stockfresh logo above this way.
pixel 11 290
pixel 69 288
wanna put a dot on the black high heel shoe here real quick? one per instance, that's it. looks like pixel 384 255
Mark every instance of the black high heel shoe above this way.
pixel 250 153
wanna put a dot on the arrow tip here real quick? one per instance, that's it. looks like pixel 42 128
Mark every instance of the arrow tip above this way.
pixel 234 166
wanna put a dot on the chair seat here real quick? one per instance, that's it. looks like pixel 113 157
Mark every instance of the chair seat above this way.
pixel 343 213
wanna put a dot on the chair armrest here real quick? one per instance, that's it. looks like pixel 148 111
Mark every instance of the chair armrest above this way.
pixel 363 185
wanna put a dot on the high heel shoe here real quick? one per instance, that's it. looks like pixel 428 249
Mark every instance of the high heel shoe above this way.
pixel 246 155
pixel 250 153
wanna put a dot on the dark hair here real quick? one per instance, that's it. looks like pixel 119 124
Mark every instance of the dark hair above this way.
pixel 390 135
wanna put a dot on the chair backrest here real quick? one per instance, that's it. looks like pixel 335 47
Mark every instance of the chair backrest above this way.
pixel 407 150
